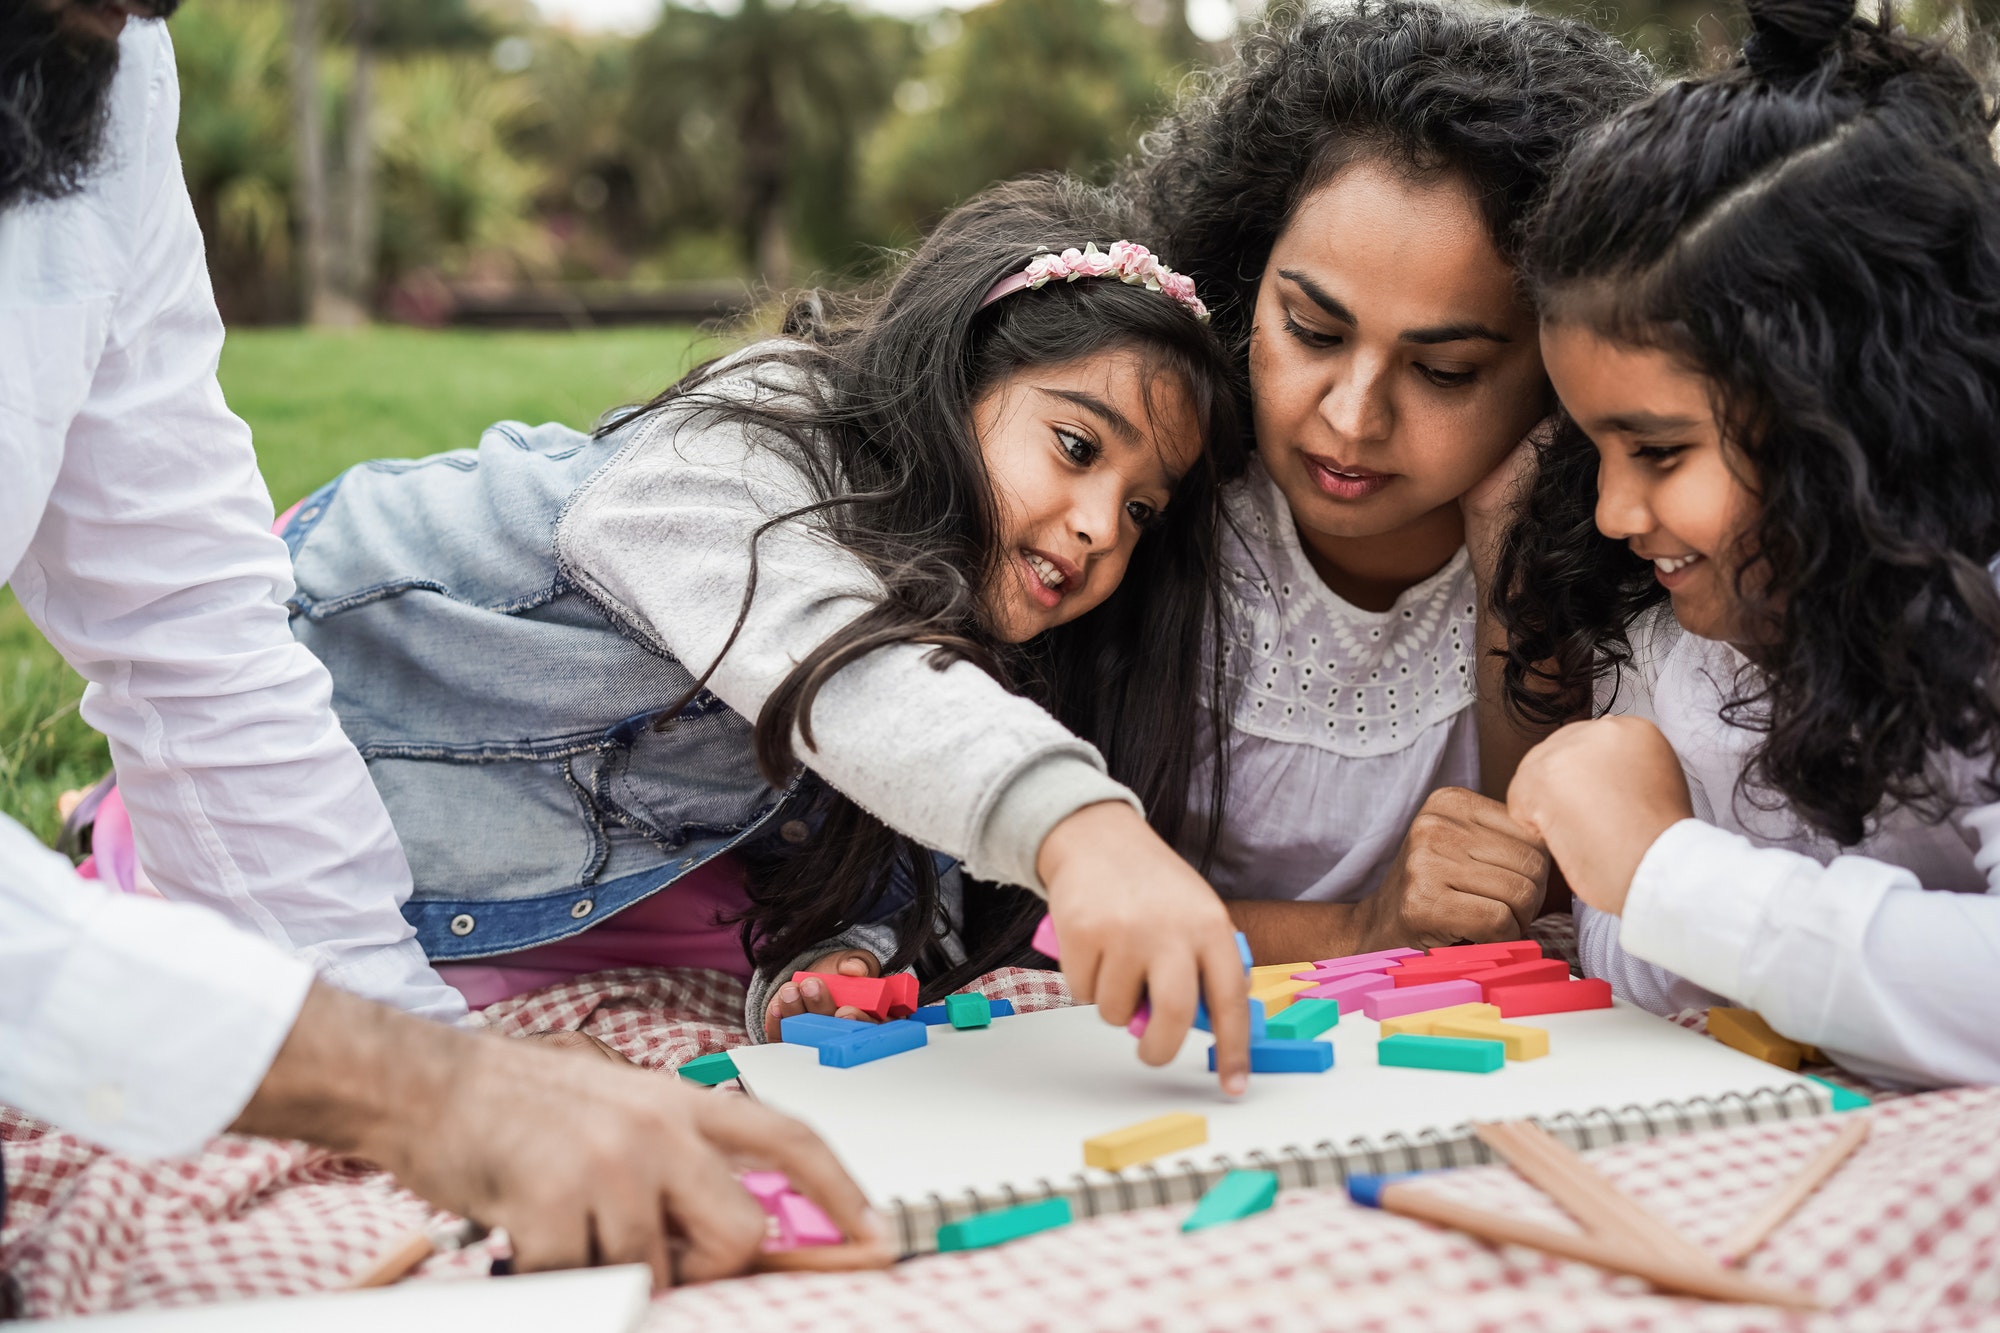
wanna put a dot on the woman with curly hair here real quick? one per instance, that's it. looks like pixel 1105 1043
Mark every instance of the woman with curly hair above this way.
pixel 1350 197
pixel 1771 302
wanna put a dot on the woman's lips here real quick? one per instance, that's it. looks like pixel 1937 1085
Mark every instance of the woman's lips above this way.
pixel 1343 482
pixel 1673 571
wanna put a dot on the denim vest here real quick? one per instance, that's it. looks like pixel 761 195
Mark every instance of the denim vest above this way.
pixel 509 722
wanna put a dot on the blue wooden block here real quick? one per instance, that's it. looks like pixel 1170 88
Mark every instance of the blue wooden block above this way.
pixel 934 1015
pixel 819 1029
pixel 873 1042
pixel 1243 952
pixel 1002 1008
pixel 1278 1055
pixel 1233 1198
pixel 1256 1018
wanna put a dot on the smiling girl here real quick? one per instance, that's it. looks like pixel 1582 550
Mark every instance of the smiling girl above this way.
pixel 1351 200
pixel 1771 301
pixel 901 586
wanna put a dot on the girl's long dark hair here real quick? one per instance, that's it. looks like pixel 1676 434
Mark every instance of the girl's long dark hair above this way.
pixel 881 426
pixel 1495 97
pixel 1815 230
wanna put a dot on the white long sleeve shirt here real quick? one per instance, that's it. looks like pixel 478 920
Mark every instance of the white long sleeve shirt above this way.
pixel 134 528
pixel 1885 955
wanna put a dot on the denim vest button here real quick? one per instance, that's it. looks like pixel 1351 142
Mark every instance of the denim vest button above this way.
pixel 580 908
pixel 795 830
pixel 462 924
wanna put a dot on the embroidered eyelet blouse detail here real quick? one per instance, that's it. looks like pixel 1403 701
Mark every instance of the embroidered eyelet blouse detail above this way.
pixel 1319 671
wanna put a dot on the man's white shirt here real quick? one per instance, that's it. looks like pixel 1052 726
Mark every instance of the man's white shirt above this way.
pixel 135 530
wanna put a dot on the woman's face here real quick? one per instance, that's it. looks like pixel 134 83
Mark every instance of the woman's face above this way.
pixel 1084 457
pixel 1665 486
pixel 1392 361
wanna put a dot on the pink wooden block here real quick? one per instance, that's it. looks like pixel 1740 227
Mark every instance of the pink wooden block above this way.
pixel 1045 939
pixel 765 1187
pixel 1395 1003
pixel 801 1223
pixel 1339 970
pixel 1137 1027
pixel 1349 990
pixel 1379 956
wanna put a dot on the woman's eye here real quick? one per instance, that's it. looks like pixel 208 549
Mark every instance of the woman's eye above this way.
pixel 1447 379
pixel 1076 448
pixel 1310 337
pixel 1659 453
pixel 1141 513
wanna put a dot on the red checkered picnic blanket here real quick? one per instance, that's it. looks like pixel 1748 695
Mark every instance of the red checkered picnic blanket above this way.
pixel 1906 1236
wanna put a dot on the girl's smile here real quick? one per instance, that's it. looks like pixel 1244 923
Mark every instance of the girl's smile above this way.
pixel 1048 577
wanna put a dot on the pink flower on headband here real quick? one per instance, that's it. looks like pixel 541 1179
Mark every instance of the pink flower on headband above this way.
pixel 1127 261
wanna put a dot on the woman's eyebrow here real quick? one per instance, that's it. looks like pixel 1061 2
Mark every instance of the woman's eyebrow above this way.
pixel 1463 331
pixel 1091 403
pixel 1319 295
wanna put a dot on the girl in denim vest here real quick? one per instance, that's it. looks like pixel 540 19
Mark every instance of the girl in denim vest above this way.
pixel 919 591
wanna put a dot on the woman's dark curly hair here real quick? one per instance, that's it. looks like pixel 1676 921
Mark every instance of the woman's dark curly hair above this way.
pixel 1493 96
pixel 1815 230
pixel 881 427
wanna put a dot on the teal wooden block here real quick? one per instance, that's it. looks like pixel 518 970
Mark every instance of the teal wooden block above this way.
pixel 1844 1099
pixel 1461 1055
pixel 709 1070
pixel 1302 1019
pixel 983 1229
pixel 968 1011
pixel 1233 1198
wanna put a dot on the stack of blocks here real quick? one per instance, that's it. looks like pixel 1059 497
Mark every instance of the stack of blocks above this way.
pixel 969 1015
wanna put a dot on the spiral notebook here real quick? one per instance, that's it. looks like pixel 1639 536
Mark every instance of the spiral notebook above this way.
pixel 991 1117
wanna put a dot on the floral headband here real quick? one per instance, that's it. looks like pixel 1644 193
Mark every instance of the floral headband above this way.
pixel 1126 261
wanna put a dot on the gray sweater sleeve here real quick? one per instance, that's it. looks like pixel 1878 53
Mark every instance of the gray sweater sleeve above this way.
pixel 661 536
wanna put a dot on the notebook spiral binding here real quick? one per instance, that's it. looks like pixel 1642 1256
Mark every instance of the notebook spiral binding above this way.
pixel 1327 1165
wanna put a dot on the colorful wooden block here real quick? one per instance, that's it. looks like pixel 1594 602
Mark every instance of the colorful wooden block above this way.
pixel 709 1070
pixel 1239 1194
pixel 1844 1099
pixel 1303 1019
pixel 1270 972
pixel 1277 995
pixel 1243 952
pixel 1379 956
pixel 1522 1043
pixel 765 1186
pixel 968 1011
pixel 1551 997
pixel 874 1042
pixel 1525 974
pixel 802 1223
pixel 1257 1017
pixel 1339 970
pixel 1044 941
pixel 1416 974
pixel 935 1015
pixel 878 997
pixel 1455 1054
pixel 1348 992
pixel 1424 1020
pixel 1521 949
pixel 984 1229
pixel 1146 1140
pixel 1273 1055
pixel 1750 1034
pixel 1401 1000
pixel 819 1029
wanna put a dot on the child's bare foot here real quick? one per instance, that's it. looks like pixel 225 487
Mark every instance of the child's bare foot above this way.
pixel 810 995
pixel 69 801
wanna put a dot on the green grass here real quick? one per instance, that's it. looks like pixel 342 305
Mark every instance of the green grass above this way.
pixel 318 403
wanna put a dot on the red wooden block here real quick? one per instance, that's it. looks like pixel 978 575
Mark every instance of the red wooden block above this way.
pixel 1524 950
pixel 901 991
pixel 1470 969
pixel 1550 997
pixel 1524 974
pixel 878 997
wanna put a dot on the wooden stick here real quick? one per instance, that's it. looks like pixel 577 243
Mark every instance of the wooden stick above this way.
pixel 1620 1256
pixel 1549 1164
pixel 397 1264
pixel 1786 1201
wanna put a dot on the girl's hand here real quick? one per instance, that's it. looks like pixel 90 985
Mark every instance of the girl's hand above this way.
pixel 810 997
pixel 1489 506
pixel 1465 872
pixel 1136 922
pixel 1599 794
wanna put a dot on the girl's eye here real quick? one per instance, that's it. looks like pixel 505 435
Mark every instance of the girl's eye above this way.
pixel 1076 448
pixel 1141 513
pixel 1658 453
pixel 1310 337
pixel 1447 379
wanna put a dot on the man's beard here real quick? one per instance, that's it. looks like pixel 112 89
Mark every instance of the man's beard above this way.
pixel 55 99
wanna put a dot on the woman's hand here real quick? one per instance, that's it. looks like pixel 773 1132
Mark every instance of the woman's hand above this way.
pixel 1465 872
pixel 1599 794
pixel 810 996
pixel 1489 506
pixel 1136 922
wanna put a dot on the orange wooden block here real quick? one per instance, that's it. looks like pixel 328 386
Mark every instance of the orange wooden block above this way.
pixel 1750 1034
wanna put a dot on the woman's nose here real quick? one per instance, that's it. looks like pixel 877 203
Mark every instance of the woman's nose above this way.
pixel 1357 404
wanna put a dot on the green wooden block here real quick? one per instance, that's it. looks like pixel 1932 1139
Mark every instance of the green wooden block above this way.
pixel 1844 1099
pixel 1303 1019
pixel 709 1070
pixel 968 1011
pixel 1462 1055
pixel 1233 1198
pixel 983 1229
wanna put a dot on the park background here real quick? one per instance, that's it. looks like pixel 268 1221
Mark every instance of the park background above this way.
pixel 491 209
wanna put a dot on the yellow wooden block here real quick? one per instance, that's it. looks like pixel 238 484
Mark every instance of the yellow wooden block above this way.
pixel 1522 1043
pixel 1420 1024
pixel 1278 995
pixel 1270 972
pixel 1750 1034
pixel 1145 1141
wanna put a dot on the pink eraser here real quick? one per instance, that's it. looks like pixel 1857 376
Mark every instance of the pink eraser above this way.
pixel 1045 939
pixel 1379 1005
pixel 1379 956
pixel 801 1223
pixel 1350 989
pixel 1137 1027
pixel 765 1186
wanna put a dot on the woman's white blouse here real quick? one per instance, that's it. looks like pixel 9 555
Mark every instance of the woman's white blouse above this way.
pixel 1886 955
pixel 1345 720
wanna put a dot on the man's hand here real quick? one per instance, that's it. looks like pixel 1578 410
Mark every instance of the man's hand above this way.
pixel 1600 794
pixel 1136 922
pixel 1465 872
pixel 810 997
pixel 583 1162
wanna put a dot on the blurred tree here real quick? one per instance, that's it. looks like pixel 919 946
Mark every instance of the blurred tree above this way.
pixel 1020 85
pixel 753 118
